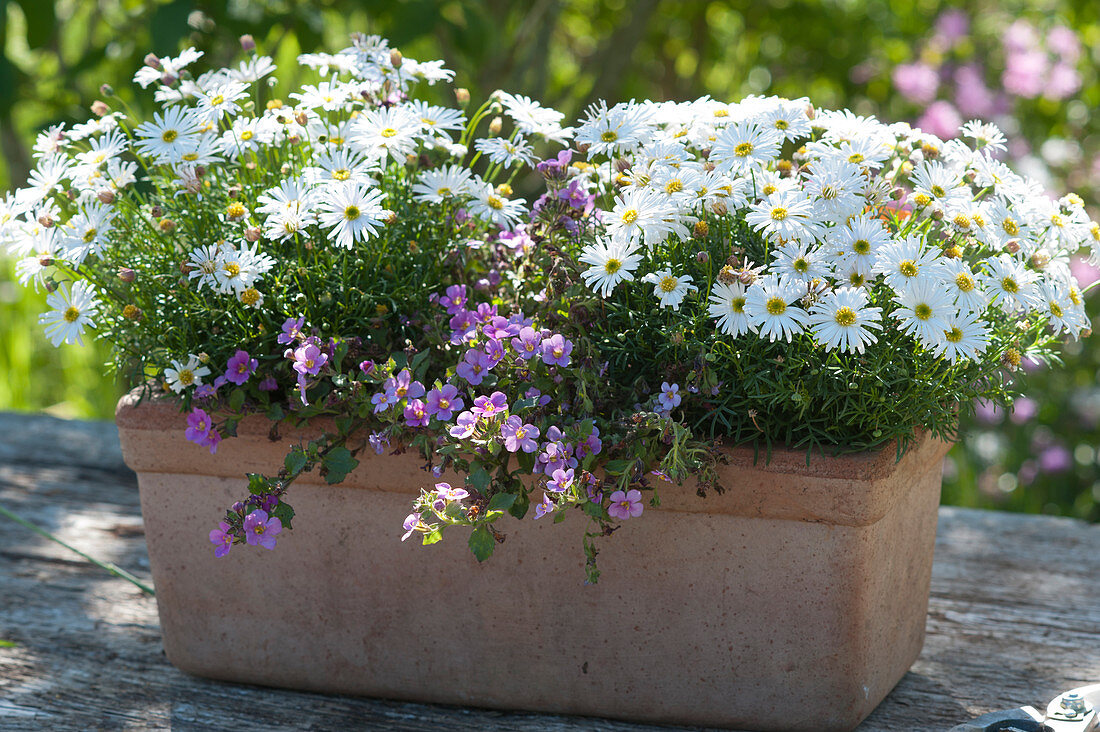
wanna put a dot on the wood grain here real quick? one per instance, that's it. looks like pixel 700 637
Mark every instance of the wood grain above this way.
pixel 1014 617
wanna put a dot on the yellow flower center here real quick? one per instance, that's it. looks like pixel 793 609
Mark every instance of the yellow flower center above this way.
pixel 71 314
pixel 186 377
pixel 781 124
pixel 216 100
pixel 1010 226
pixel 388 132
pixel 612 266
pixel 776 306
pixel 668 283
pixel 779 213
pixel 232 269
pixel 954 335
pixel 235 210
pixel 861 246
pixel 743 150
pixel 1009 284
pixel 856 158
pixel 962 221
pixel 964 282
pixel 341 174
pixel 721 113
pixel 1056 220
pixel 495 203
pixel 769 189
pixel 800 265
pixel 1075 296
pixel 1055 309
pixel 190 157
pixel 829 192
pixel 909 268
pixel 444 192
pixel 89 236
pixel 169 135
pixel 1013 357
pixel 674 186
pixel 609 136
pixel 922 311
pixel 250 296
pixel 845 317
pixel 922 199
pixel 246 135
pixel 351 213
pixel 855 279
pixel 630 216
pixel 737 304
pixel 938 191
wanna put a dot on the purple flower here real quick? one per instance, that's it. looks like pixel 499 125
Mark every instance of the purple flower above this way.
pixel 379 442
pixel 670 397
pixel 972 96
pixel 383 400
pixel 556 350
pixel 626 505
pixel 411 522
pixel 917 82
pixel 494 351
pixel 416 415
pixel 940 119
pixel 1064 42
pixel 204 391
pixel 490 406
pixel 562 481
pixel 447 493
pixel 952 26
pixel 1055 459
pixel 527 345
pixel 463 327
pixel 543 508
pixel 500 328
pixel 198 426
pixel 592 445
pixel 577 196
pixel 259 530
pixel 211 440
pixel 1023 409
pixel 485 312
pixel 542 399
pixel 454 300
pixel 241 367
pixel 404 387
pixel 443 403
pixel 308 359
pixel 519 241
pixel 464 425
pixel 268 384
pixel 519 436
pixel 292 330
pixel 367 367
pixel 557 168
pixel 222 539
pixel 475 364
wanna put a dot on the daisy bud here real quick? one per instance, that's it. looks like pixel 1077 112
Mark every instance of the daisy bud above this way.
pixel 747 278
pixel 495 126
pixel 285 169
pixel 251 165
pixel 784 167
pixel 1012 359
pixel 1012 246
pixel 727 275
pixel 46 220
pixel 131 312
pixel 234 191
pixel 395 58
pixel 45 260
pixel 107 90
pixel 152 61
pixel 156 212
pixel 462 96
pixel 708 166
pixel 392 218
pixel 970 176
pixel 100 108
pixel 168 80
pixel 252 234
pixel 1040 259
pixel 931 152
pixel 952 252
pixel 622 165
pixel 185 268
pixel 167 225
pixel 301 118
pixel 70 194
pixel 126 274
pixel 582 147
pixel 1086 332
pixel 200 170
pixel 702 257
pixel 937 214
pixel 897 193
pixel 274 104
pixel 719 208
pixel 702 228
pixel 50 285
pixel 810 113
pixel 504 190
pixel 105 195
pixel 248 43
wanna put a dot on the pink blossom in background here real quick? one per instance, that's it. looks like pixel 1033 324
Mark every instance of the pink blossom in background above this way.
pixel 941 119
pixel 917 82
pixel 1023 410
pixel 1064 42
pixel 988 412
pixel 1055 459
pixel 1020 36
pixel 1083 272
pixel 1063 82
pixel 1025 73
pixel 951 27
pixel 972 96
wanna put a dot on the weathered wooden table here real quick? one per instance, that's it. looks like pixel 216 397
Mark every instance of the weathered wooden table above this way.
pixel 1014 616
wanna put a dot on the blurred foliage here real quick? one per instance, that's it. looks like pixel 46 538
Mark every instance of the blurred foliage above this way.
pixel 567 53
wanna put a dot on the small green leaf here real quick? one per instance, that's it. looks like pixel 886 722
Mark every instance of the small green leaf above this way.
pixel 257 484
pixel 284 513
pixel 275 412
pixel 338 463
pixel 523 404
pixel 526 461
pixel 295 461
pixel 479 479
pixel 618 467
pixel 229 427
pixel 502 501
pixel 519 508
pixel 432 537
pixel 594 510
pixel 343 424
pixel 482 543
pixel 236 400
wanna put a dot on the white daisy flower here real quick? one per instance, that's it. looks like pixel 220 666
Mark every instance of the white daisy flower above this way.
pixel 169 135
pixel 506 152
pixel 1056 303
pixel 290 196
pixel 789 120
pixel 799 261
pixel 987 137
pixel 1011 286
pixel 641 215
pixel 745 146
pixel 925 309
pixel 964 337
pixel 146 75
pixel 934 184
pixel 203 263
pixel 72 310
pixel 529 116
pixel 450 182
pixel 785 216
pixel 836 188
pixel 610 263
pixel 185 375
pixel 768 304
pixel 727 304
pixel 906 261
pixel 437 121
pixel 491 205
pixel 856 244
pixel 353 211
pixel 220 101
pixel 329 96
pixel 391 131
pixel 253 69
pixel 613 131
pixel 964 286
pixel 336 166
pixel 669 288
pixel 841 319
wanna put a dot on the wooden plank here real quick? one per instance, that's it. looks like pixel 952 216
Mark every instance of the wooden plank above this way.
pixel 1013 619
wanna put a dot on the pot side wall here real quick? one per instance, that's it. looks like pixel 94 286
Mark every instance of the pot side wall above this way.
pixel 699 617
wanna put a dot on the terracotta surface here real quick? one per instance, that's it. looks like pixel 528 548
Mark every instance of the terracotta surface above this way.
pixel 796 600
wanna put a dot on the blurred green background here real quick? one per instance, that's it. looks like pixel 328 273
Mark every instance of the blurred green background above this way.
pixel 1030 66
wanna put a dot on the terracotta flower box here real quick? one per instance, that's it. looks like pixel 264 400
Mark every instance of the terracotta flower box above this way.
pixel 795 600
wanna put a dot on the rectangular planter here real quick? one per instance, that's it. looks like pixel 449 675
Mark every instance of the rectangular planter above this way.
pixel 795 600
